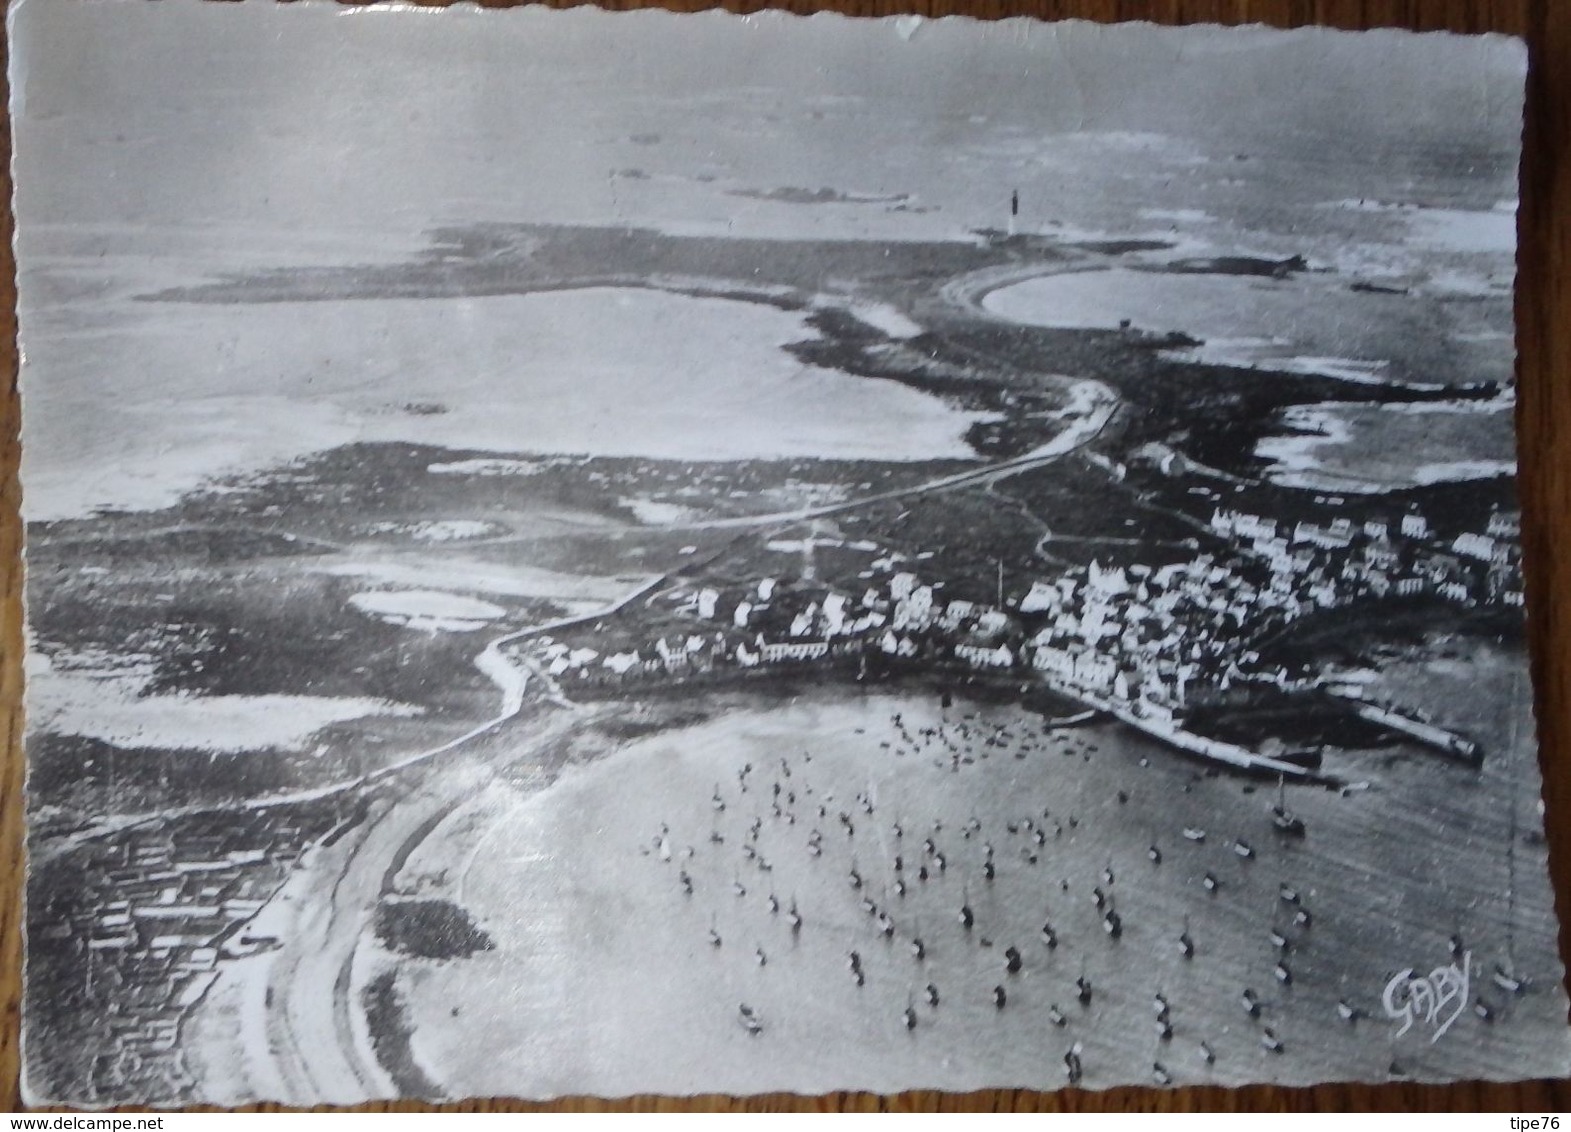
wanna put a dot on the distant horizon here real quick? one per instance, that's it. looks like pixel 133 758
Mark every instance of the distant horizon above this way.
pixel 310 136
pixel 467 115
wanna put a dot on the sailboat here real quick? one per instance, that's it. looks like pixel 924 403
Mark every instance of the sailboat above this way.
pixel 1284 819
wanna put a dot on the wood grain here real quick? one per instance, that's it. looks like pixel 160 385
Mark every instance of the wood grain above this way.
pixel 1543 311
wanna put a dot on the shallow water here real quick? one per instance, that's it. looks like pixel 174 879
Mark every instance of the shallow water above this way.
pixel 1307 323
pixel 154 399
pixel 1371 448
pixel 116 710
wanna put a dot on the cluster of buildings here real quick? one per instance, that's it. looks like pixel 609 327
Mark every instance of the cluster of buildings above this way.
pixel 1145 637
pixel 1319 566
pixel 1138 633
pixel 766 624
pixel 1153 635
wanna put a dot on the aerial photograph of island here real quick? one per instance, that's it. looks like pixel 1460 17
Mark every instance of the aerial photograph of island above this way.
pixel 860 554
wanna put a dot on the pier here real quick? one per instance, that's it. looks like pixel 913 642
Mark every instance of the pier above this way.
pixel 1439 738
pixel 1230 754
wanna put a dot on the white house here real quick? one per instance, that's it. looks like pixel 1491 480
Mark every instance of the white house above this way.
pixel 1043 596
pixel 621 662
pixel 1481 547
pixel 979 657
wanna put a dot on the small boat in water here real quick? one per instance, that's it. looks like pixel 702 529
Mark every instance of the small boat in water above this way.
pixel 1284 820
pixel 1506 981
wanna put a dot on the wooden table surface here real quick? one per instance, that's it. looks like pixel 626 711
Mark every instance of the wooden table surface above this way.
pixel 1543 316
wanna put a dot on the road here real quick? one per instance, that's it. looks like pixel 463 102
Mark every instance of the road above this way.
pixel 1094 403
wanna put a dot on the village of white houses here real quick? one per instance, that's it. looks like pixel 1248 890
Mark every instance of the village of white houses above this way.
pixel 984 560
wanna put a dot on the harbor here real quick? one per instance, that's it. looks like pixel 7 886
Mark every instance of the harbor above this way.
pixel 968 855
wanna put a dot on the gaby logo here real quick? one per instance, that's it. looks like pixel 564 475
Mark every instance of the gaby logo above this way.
pixel 1435 1000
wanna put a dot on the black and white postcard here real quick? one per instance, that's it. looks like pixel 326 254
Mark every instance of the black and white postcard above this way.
pixel 592 553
